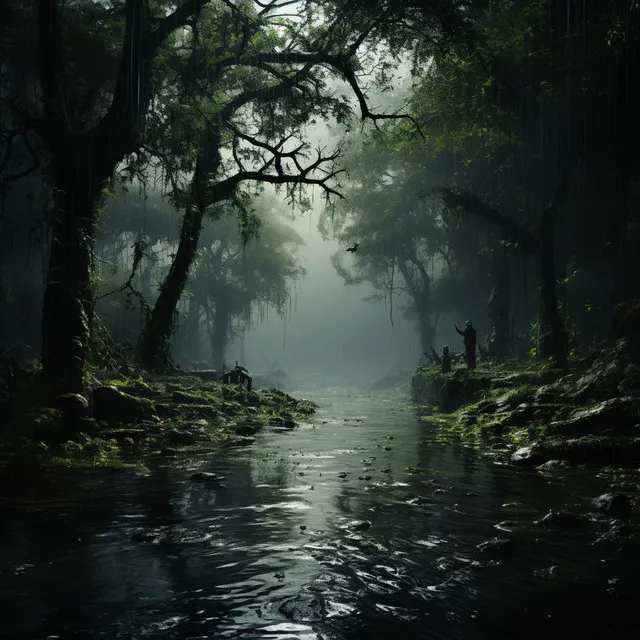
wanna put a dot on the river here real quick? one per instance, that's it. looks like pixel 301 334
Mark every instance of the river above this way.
pixel 272 551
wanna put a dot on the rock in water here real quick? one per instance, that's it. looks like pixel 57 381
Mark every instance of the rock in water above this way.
pixel 181 437
pixel 497 546
pixel 617 505
pixel 206 476
pixel 358 525
pixel 561 520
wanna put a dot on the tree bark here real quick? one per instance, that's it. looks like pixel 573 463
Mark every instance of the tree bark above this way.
pixel 67 303
pixel 552 341
pixel 153 343
pixel 82 160
pixel 499 332
pixel 220 335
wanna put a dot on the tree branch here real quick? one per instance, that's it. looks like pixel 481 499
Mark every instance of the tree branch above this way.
pixel 471 204
pixel 5 181
pixel 174 21
pixel 224 189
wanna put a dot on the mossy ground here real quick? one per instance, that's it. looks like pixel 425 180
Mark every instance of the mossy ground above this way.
pixel 175 413
pixel 501 409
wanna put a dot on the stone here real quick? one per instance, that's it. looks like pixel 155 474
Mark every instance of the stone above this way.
pixel 561 520
pixel 497 546
pixel 245 429
pixel 617 505
pixel 181 437
pixel 112 405
pixel 626 319
pixel 206 476
pixel 530 455
pixel 73 406
pixel 615 413
pixel 358 525
pixel 552 465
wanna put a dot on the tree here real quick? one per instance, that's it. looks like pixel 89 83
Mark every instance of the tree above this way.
pixel 403 251
pixel 235 279
pixel 260 77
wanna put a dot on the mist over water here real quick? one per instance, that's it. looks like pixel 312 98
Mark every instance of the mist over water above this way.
pixel 330 332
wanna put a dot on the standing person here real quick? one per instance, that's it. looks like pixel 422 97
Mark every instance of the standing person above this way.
pixel 469 335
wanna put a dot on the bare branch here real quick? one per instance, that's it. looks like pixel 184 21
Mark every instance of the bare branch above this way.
pixel 307 174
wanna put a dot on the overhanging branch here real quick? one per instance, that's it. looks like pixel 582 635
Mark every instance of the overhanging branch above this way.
pixel 463 200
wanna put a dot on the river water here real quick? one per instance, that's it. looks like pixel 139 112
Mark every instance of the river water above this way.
pixel 272 552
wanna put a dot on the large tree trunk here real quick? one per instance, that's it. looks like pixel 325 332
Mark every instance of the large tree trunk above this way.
pixel 220 336
pixel 191 343
pixel 67 304
pixel 153 343
pixel 426 333
pixel 552 341
pixel 81 163
pixel 499 333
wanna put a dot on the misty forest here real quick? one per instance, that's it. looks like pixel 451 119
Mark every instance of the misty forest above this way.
pixel 319 319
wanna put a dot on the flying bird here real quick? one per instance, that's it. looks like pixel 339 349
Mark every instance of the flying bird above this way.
pixel 354 248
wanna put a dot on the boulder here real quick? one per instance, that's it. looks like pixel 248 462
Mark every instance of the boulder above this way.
pixel 626 320
pixel 245 429
pixel 617 505
pixel 358 525
pixel 561 520
pixel 73 406
pixel 181 437
pixel 615 414
pixel 206 476
pixel 497 546
pixel 531 455
pixel 112 405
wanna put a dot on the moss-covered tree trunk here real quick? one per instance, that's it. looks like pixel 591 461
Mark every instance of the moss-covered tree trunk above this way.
pixel 220 335
pixel 67 304
pixel 153 343
pixel 82 157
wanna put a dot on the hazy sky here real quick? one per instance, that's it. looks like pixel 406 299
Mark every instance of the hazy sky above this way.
pixel 330 328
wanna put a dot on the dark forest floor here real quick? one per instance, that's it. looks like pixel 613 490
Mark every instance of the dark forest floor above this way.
pixel 126 419
pixel 532 415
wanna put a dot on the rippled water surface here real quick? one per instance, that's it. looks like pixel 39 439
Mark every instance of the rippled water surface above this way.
pixel 273 552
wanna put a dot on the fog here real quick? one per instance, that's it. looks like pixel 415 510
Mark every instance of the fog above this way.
pixel 329 331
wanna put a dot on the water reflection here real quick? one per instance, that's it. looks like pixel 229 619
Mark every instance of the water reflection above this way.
pixel 273 552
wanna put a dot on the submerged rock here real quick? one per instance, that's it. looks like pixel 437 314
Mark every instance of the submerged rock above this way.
pixel 530 455
pixel 497 546
pixel 304 608
pixel 358 525
pixel 617 505
pixel 561 520
pixel 552 465
pixel 206 476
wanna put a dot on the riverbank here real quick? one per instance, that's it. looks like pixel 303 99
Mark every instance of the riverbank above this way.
pixel 537 416
pixel 124 420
